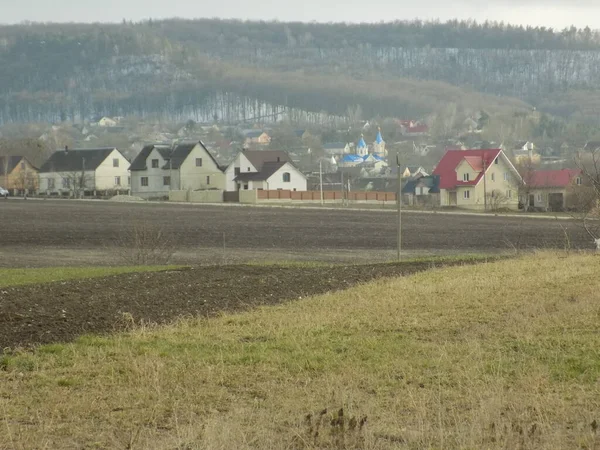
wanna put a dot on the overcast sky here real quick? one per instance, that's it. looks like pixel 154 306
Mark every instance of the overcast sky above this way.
pixel 551 13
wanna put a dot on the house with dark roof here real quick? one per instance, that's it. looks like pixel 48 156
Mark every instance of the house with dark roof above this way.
pixel 81 171
pixel 476 179
pixel 158 169
pixel 258 137
pixel 264 169
pixel 336 148
pixel 549 189
pixel 18 175
pixel 420 190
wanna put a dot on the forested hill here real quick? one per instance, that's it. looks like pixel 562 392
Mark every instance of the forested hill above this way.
pixel 51 72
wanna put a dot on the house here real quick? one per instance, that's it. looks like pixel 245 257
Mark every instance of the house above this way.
pixel 107 122
pixel 264 169
pixel 420 190
pixel 526 153
pixel 478 179
pixel 81 171
pixel 412 128
pixel 549 189
pixel 158 169
pixel 257 137
pixel 17 174
pixel 336 148
pixel 413 171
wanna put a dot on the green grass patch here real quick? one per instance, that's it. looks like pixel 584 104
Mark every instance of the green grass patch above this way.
pixel 496 356
pixel 18 277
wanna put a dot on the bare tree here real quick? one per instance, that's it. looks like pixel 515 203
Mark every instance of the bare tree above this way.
pixel 586 192
pixel 145 244
pixel 496 200
pixel 527 169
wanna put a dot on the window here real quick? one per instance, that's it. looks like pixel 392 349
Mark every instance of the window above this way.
pixel 155 163
pixel 23 166
pixel 578 181
pixel 287 177
pixel 248 169
pixel 465 177
pixel 116 162
pixel 207 180
pixel 66 183
pixel 539 197
pixel 493 176
pixel 144 181
pixel 245 187
pixel 166 181
pixel 50 183
pixel 506 176
pixel 467 195
pixel 128 181
pixel 236 171
pixel 117 181
pixel 496 160
pixel 509 194
pixel 198 162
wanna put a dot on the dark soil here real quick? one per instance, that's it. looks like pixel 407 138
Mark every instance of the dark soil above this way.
pixel 61 311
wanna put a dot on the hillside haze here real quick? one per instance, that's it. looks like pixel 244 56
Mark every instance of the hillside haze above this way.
pixel 232 70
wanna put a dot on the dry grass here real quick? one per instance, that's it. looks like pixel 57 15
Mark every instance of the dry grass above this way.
pixel 503 355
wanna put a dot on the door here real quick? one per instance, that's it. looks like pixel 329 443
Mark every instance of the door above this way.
pixel 531 200
pixel 452 199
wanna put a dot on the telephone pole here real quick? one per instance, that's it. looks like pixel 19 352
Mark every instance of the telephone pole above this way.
pixel 399 201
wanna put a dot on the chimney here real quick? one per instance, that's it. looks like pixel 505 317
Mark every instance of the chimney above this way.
pixel 66 149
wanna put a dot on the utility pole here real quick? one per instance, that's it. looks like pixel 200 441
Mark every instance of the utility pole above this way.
pixel 343 188
pixel 399 201
pixel 321 179
pixel 484 185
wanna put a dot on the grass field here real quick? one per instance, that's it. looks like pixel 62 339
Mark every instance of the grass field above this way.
pixel 500 355
pixel 19 277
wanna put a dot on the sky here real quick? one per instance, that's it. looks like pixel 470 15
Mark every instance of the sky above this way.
pixel 549 13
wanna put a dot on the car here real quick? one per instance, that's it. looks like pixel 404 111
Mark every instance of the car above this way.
pixel 3 192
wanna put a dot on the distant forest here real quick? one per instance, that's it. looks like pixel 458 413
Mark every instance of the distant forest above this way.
pixel 232 70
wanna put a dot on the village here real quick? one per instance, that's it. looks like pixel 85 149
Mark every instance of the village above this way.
pixel 271 164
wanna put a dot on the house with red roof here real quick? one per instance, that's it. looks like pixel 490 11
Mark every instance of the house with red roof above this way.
pixel 549 189
pixel 478 179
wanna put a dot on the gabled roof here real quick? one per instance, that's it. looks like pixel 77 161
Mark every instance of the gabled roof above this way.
pixel 446 168
pixel 259 157
pixel 551 178
pixel 267 170
pixel 592 146
pixel 430 181
pixel 253 133
pixel 76 159
pixel 139 163
pixel 174 157
pixel 9 163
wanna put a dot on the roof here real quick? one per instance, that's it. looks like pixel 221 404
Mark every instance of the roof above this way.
pixel 446 168
pixel 379 139
pixel 430 181
pixel 139 163
pixel 592 146
pixel 76 159
pixel 260 157
pixel 551 178
pixel 174 157
pixel 9 163
pixel 253 133
pixel 362 143
pixel 267 170
pixel 352 158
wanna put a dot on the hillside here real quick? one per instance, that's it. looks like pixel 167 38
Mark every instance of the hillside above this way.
pixel 233 69
pixel 496 356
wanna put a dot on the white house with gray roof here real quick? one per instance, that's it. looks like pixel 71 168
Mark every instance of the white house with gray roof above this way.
pixel 159 169
pixel 85 171
pixel 264 169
